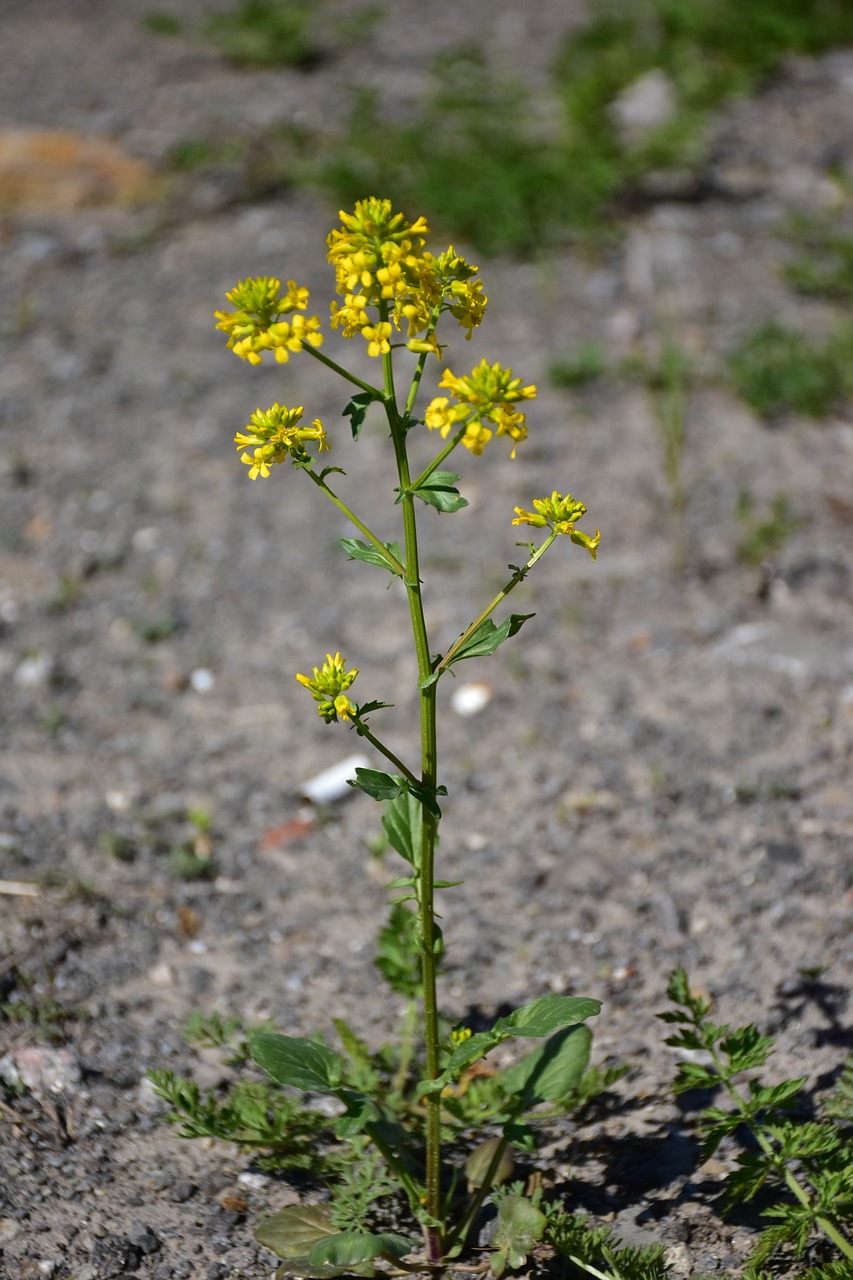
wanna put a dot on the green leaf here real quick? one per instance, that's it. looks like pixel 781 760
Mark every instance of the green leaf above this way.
pixel 348 1248
pixel 438 491
pixel 488 637
pixel 358 550
pixel 520 1228
pixel 356 409
pixel 327 471
pixel 547 1014
pixel 293 1232
pixel 303 1064
pixel 360 1112
pixel 427 797
pixel 379 785
pixel 402 822
pixel 552 1070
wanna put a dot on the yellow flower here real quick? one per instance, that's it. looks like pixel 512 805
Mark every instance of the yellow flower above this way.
pixel 328 688
pixel 257 326
pixel 274 434
pixel 380 261
pixel 377 336
pixel 559 513
pixel 488 394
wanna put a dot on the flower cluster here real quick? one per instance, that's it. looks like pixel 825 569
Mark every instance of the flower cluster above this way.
pixel 380 263
pixel 559 513
pixel 328 688
pixel 257 325
pixel 489 394
pixel 273 435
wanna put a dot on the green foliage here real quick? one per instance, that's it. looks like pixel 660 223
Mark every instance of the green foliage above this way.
pixel 398 956
pixel 806 1164
pixel 477 159
pixel 267 32
pixel 520 1227
pixel 253 1115
pixel 825 270
pixel 470 157
pixel 587 364
pixel 777 370
pixel 764 538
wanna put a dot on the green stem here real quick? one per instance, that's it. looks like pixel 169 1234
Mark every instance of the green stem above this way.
pixel 393 562
pixel 363 732
pixel 459 1233
pixel 411 1188
pixel 429 779
pixel 518 576
pixel 439 458
pixel 422 359
pixel 344 373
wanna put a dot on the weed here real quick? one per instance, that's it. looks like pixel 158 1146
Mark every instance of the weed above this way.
pixel 777 370
pixel 826 269
pixel 587 364
pixel 471 153
pixel 764 537
pixel 267 32
pixel 806 1163
pixel 474 155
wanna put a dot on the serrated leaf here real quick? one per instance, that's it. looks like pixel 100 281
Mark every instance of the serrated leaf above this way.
pixel 358 550
pixel 402 822
pixel 379 785
pixel 303 1064
pixel 349 1248
pixel 438 490
pixel 521 1135
pixel 488 637
pixel 546 1014
pixel 293 1232
pixel 552 1070
pixel 356 409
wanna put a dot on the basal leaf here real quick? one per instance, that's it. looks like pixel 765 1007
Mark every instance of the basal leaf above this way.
pixel 293 1232
pixel 356 409
pixel 358 550
pixel 303 1064
pixel 348 1248
pixel 439 491
pixel 520 1227
pixel 488 637
pixel 547 1014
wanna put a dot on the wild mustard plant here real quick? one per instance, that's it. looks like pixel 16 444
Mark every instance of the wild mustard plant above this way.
pixel 394 293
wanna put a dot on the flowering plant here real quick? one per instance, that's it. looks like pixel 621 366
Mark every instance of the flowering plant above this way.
pixel 396 294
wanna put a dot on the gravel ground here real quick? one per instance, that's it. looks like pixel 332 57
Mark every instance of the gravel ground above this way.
pixel 661 774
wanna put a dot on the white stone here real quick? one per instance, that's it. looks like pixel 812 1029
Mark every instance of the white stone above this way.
pixel 644 106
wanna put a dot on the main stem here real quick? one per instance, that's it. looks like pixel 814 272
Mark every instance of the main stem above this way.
pixel 429 779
